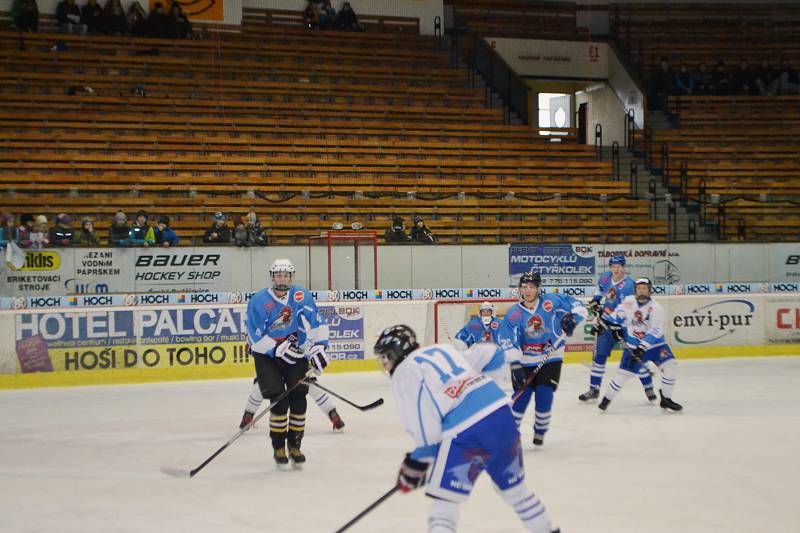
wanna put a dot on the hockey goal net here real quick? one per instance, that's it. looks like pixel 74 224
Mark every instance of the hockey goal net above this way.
pixel 343 260
pixel 449 316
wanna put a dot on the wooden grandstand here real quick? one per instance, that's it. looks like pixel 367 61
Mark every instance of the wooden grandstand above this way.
pixel 305 128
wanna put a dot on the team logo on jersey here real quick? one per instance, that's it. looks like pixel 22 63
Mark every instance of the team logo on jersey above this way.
pixel 663 354
pixel 487 336
pixel 298 296
pixel 494 325
pixel 547 305
pixel 283 319
pixel 612 293
pixel 535 327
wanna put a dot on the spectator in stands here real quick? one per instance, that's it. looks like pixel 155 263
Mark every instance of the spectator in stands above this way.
pixel 327 15
pixel 721 80
pixel 180 27
pixel 311 15
pixel 347 20
pixel 255 230
pixel 397 233
pixel 40 236
pixel 115 17
pixel 25 230
pixel 241 237
pixel 764 77
pixel 7 230
pixel 61 234
pixel 137 20
pixel 141 234
pixel 68 15
pixel 158 24
pixel 788 82
pixel 26 15
pixel 164 234
pixel 119 232
pixel 662 84
pixel 421 233
pixel 684 81
pixel 92 15
pixel 703 80
pixel 743 79
pixel 87 237
pixel 219 232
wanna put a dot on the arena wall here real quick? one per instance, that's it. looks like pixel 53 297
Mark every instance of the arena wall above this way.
pixel 82 346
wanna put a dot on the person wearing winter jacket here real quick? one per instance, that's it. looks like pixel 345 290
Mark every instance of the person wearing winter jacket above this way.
pixel 164 234
pixel 61 234
pixel 87 237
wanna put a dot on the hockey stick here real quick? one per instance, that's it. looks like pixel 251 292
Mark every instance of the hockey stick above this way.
pixel 373 405
pixel 178 472
pixel 369 509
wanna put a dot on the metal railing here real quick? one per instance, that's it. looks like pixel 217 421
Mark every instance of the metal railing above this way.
pixel 501 79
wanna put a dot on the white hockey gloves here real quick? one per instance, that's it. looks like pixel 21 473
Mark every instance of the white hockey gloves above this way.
pixel 317 359
pixel 288 351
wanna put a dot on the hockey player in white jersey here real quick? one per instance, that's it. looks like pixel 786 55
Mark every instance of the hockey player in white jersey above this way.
pixel 461 424
pixel 320 397
pixel 639 322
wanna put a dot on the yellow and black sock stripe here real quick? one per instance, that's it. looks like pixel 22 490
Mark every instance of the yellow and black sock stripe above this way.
pixel 297 422
pixel 278 423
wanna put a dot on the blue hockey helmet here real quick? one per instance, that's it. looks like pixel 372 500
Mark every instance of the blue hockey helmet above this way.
pixel 617 260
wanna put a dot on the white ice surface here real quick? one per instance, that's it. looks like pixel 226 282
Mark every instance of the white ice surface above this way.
pixel 87 459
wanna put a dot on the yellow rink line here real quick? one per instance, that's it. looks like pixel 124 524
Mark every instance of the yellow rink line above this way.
pixel 135 375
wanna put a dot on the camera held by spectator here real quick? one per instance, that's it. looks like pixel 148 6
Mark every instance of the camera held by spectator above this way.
pixel 397 233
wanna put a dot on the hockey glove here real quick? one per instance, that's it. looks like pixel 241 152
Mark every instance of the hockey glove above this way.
pixel 412 474
pixel 568 324
pixel 288 351
pixel 596 307
pixel 318 359
pixel 518 378
pixel 618 333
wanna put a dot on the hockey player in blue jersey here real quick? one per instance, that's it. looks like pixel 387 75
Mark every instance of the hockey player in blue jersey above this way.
pixel 481 328
pixel 287 339
pixel 639 322
pixel 535 329
pixel 612 287
pixel 461 425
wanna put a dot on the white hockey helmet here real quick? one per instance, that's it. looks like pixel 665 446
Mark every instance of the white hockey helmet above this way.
pixel 486 306
pixel 281 265
pixel 646 282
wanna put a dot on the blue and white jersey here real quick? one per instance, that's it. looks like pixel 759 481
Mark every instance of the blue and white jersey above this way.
pixel 644 324
pixel 537 332
pixel 439 393
pixel 474 331
pixel 613 291
pixel 271 319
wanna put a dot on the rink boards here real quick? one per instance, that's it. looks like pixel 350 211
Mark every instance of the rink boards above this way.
pixel 81 346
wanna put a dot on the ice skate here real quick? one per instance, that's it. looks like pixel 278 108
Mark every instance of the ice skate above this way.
pixel 668 405
pixel 297 457
pixel 651 394
pixel 247 417
pixel 538 439
pixel 591 394
pixel 604 404
pixel 338 423
pixel 281 460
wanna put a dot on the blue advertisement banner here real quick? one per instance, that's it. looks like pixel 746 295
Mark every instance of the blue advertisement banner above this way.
pixel 558 264
pixel 346 323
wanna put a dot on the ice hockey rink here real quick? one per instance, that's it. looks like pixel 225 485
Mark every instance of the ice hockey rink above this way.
pixel 87 459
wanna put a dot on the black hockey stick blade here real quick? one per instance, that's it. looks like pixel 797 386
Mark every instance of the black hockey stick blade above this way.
pixel 373 405
pixel 366 511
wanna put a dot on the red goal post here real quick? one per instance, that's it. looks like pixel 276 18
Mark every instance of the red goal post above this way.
pixel 449 316
pixel 343 259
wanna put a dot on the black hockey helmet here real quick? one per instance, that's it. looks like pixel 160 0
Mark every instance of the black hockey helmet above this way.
pixel 531 277
pixel 393 345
